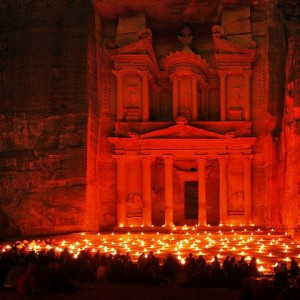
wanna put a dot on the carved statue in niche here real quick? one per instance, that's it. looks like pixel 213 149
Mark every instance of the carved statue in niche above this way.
pixel 236 110
pixel 186 99
pixel 236 203
pixel 134 205
pixel 237 98
pixel 133 98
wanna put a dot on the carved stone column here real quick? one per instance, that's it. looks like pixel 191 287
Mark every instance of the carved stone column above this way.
pixel 120 94
pixel 175 96
pixel 247 189
pixel 169 205
pixel 201 159
pixel 121 190
pixel 194 99
pixel 223 188
pixel 247 75
pixel 146 108
pixel 223 108
pixel 147 209
pixel 207 104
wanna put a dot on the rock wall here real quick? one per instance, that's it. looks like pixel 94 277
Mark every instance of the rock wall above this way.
pixel 49 50
pixel 43 116
pixel 289 15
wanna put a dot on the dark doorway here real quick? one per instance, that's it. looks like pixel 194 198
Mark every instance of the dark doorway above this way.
pixel 213 194
pixel 191 200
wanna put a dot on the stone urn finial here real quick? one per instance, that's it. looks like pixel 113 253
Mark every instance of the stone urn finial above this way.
pixel 181 120
pixel 186 38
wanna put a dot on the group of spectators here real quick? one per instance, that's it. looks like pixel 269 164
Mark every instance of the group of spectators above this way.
pixel 46 272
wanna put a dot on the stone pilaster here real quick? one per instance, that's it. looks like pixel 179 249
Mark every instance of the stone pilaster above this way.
pixel 223 159
pixel 201 159
pixel 169 203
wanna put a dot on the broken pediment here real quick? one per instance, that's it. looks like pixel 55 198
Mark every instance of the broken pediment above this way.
pixel 182 130
pixel 141 47
pixel 223 46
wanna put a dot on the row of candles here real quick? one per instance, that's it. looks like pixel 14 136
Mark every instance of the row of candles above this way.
pixel 268 247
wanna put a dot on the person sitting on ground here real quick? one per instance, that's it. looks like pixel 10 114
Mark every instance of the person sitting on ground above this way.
pixel 225 265
pixel 294 269
pixel 253 267
pixel 201 262
pixel 281 278
pixel 292 292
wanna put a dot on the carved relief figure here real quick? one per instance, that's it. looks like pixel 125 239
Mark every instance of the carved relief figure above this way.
pixel 134 205
pixel 133 98
pixel 236 203
pixel 237 96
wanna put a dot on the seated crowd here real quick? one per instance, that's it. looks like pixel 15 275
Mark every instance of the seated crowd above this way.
pixel 47 272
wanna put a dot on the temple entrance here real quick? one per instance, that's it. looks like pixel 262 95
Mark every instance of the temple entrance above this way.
pixel 191 200
pixel 213 193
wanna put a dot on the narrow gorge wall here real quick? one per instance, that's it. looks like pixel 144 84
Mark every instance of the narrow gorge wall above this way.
pixel 43 116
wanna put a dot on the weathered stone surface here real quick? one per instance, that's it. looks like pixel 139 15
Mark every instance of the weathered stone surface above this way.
pixel 43 116
pixel 49 113
pixel 236 20
pixel 128 28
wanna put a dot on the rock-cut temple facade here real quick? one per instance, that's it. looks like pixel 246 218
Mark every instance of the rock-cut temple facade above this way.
pixel 119 114
pixel 187 130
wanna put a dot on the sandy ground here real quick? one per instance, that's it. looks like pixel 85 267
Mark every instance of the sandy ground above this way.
pixel 108 291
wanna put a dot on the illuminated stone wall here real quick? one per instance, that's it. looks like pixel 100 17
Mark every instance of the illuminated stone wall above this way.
pixel 43 115
pixel 57 85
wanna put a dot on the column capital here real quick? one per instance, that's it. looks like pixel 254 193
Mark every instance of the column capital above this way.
pixel 146 157
pixel 144 73
pixel 248 157
pixel 222 158
pixel 169 158
pixel 119 73
pixel 223 73
pixel 247 72
pixel 201 157
pixel 120 157
pixel 174 76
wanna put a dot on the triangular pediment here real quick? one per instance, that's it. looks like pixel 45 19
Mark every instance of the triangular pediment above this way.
pixel 182 130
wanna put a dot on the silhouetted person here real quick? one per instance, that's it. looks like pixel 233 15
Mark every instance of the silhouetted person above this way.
pixel 201 262
pixel 246 291
pixel 294 269
pixel 225 265
pixel 281 279
pixel 292 292
pixel 253 267
pixel 265 291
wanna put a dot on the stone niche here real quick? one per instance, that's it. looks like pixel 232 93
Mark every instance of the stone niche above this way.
pixel 132 97
pixel 235 97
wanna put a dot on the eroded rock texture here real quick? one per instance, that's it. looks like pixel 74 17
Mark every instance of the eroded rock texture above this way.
pixel 43 116
pixel 59 93
pixel 265 24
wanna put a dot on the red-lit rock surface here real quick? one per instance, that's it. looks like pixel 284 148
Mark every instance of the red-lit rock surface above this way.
pixel 43 116
pixel 58 92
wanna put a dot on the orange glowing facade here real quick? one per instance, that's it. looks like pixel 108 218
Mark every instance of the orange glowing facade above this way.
pixel 180 129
